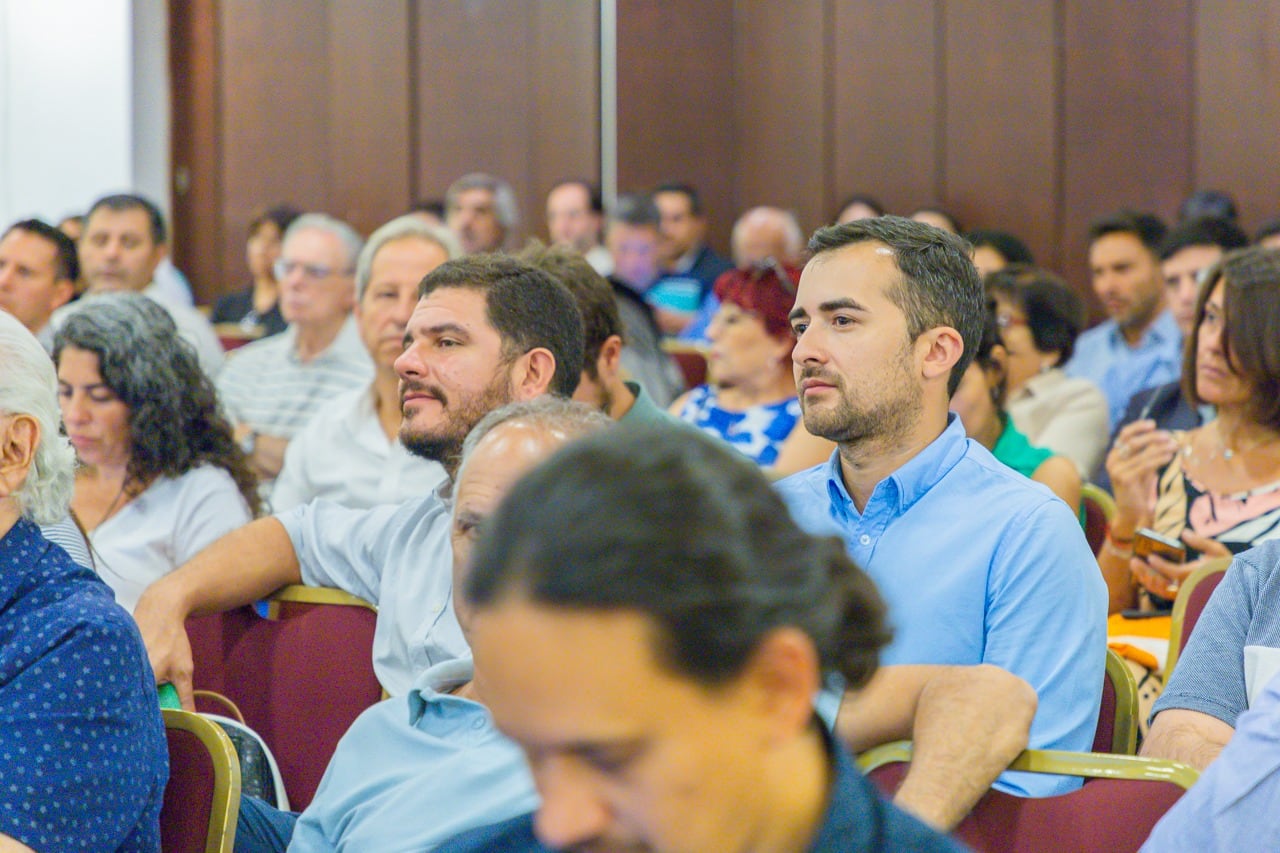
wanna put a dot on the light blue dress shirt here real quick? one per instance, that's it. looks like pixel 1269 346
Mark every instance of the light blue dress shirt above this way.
pixel 1235 805
pixel 398 558
pixel 1104 357
pixel 413 772
pixel 977 564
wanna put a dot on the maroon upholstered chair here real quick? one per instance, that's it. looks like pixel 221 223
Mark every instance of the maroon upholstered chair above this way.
pixel 202 797
pixel 1099 508
pixel 1193 595
pixel 691 359
pixel 300 678
pixel 1117 730
pixel 1114 810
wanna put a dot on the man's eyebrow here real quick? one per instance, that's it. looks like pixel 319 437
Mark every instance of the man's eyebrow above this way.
pixel 839 304
pixel 436 331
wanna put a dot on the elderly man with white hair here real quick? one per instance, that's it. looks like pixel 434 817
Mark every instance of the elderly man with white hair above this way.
pixel 481 209
pixel 350 452
pixel 82 747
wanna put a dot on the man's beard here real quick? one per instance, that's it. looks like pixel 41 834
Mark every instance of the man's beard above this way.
pixel 444 443
pixel 893 409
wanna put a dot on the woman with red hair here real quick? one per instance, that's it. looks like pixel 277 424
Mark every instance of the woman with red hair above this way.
pixel 750 401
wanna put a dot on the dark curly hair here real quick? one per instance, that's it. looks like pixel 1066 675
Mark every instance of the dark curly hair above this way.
pixel 174 421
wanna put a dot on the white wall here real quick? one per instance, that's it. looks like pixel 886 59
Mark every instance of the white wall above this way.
pixel 83 104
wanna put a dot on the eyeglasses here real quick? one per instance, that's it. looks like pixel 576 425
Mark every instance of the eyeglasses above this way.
pixel 1004 321
pixel 311 272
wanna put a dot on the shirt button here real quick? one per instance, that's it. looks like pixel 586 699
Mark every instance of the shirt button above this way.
pixel 477 724
pixel 864 539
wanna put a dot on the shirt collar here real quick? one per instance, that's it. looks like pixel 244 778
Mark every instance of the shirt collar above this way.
pixel 1162 331
pixel 910 482
pixel 686 261
pixel 436 683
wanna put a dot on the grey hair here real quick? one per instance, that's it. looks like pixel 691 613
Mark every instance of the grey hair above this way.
pixel 29 386
pixel 784 220
pixel 347 236
pixel 409 225
pixel 549 413
pixel 504 198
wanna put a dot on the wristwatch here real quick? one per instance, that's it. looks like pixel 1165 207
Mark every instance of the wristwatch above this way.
pixel 249 442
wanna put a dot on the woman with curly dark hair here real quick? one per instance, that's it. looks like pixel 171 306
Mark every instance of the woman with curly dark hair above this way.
pixel 161 476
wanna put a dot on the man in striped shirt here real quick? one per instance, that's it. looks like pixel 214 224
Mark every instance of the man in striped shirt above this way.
pixel 272 387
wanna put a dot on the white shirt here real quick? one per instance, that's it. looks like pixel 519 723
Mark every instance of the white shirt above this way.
pixel 163 527
pixel 342 454
pixel 398 558
pixel 194 328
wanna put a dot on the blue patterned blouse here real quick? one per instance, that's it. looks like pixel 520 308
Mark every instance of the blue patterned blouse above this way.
pixel 757 432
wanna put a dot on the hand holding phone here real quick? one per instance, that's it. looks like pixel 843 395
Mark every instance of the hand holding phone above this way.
pixel 1147 542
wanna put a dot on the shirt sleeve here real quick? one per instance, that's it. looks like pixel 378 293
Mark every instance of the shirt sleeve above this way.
pixel 1209 677
pixel 1046 623
pixel 341 547
pixel 209 507
pixel 1233 804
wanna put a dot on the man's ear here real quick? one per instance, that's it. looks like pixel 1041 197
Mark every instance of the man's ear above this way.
pixel 19 439
pixel 784 676
pixel 942 347
pixel 533 373
pixel 610 357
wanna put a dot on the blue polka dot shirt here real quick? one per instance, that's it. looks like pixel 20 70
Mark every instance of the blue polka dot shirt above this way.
pixel 83 761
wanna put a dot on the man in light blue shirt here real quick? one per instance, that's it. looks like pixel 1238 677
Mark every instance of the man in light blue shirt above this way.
pixel 1139 345
pixel 976 563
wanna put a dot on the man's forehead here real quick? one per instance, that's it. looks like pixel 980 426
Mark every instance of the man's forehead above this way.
pixel 129 219
pixel 851 268
pixel 460 305
pixel 474 197
pixel 312 241
pixel 30 243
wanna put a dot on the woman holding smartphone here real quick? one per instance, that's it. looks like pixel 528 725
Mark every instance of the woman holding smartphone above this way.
pixel 1216 488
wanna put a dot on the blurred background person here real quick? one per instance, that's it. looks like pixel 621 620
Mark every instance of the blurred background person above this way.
pixel 1039 317
pixel 859 206
pixel 1216 487
pixel 161 476
pixel 938 217
pixel 575 219
pixel 256 309
pixel 979 401
pixel 750 400
pixel 993 250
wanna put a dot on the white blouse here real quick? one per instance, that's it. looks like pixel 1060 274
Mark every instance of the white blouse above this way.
pixel 163 527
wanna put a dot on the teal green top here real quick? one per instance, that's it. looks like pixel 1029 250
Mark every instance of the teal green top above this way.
pixel 1013 449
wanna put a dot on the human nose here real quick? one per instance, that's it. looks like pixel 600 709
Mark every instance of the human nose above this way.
pixel 571 812
pixel 806 348
pixel 74 409
pixel 408 365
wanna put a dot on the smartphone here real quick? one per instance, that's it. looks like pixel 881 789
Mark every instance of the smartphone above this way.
pixel 1147 542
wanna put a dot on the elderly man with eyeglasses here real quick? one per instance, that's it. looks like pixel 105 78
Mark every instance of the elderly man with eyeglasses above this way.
pixel 272 387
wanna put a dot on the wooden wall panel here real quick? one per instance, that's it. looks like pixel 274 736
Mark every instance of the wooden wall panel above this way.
pixel 506 88
pixel 1237 141
pixel 886 102
pixel 675 102
pixel 274 116
pixel 197 150
pixel 780 108
pixel 1127 107
pixel 565 137
pixel 1000 126
pixel 369 107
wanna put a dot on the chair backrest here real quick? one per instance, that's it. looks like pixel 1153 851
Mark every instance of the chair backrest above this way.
pixel 691 359
pixel 1193 595
pixel 1099 509
pixel 1115 809
pixel 1117 730
pixel 202 797
pixel 301 678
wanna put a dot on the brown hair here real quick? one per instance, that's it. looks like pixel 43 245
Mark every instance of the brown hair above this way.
pixel 1251 316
